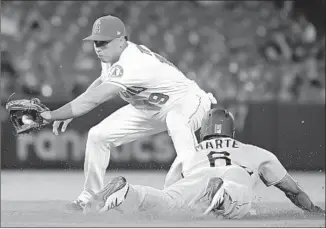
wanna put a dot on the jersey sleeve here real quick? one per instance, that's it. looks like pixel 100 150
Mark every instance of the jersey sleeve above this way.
pixel 126 76
pixel 271 171
pixel 104 71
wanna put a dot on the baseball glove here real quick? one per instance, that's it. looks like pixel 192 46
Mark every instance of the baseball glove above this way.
pixel 25 115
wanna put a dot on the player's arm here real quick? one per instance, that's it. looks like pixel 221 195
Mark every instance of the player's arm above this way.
pixel 66 122
pixel 85 102
pixel 295 193
pixel 272 172
pixel 101 78
pixel 95 83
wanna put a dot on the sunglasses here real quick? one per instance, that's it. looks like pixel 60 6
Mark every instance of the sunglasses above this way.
pixel 99 44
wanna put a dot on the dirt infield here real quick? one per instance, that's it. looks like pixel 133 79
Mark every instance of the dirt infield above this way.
pixel 38 199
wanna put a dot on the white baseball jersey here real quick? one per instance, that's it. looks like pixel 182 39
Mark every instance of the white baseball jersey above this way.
pixel 227 151
pixel 148 80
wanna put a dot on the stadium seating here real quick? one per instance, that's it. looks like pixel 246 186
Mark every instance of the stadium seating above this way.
pixel 227 45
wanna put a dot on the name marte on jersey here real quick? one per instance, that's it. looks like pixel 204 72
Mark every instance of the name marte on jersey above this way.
pixel 217 144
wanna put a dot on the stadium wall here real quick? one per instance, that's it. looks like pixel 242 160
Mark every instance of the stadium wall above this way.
pixel 295 133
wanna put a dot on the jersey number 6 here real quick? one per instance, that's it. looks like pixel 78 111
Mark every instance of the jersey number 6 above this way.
pixel 220 155
pixel 223 155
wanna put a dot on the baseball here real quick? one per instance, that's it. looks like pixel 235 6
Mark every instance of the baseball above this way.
pixel 27 119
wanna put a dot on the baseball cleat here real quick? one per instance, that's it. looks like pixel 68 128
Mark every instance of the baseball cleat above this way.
pixel 215 193
pixel 111 196
pixel 76 206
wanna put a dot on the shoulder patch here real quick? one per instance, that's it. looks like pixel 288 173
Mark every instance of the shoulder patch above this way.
pixel 116 71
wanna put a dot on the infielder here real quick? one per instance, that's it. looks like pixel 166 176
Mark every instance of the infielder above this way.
pixel 160 98
pixel 219 181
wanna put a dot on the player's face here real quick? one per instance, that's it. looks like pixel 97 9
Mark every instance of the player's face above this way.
pixel 107 51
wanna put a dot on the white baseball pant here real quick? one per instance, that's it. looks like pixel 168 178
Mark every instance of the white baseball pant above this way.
pixel 188 195
pixel 128 124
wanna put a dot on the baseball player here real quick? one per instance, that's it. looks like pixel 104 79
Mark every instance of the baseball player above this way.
pixel 219 181
pixel 160 98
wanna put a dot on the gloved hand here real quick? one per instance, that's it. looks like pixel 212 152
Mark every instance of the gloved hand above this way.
pixel 25 115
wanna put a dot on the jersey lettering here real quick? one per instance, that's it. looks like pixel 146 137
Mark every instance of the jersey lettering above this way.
pixel 229 154
pixel 159 57
pixel 217 144
pixel 218 152
pixel 132 91
pixel 154 98
pixel 158 98
pixel 223 156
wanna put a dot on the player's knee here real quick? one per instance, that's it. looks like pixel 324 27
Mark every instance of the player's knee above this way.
pixel 95 134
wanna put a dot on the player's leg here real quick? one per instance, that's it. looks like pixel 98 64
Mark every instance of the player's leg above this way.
pixel 226 191
pixel 232 197
pixel 183 120
pixel 148 199
pixel 125 125
pixel 129 199
pixel 191 195
pixel 210 190
pixel 184 196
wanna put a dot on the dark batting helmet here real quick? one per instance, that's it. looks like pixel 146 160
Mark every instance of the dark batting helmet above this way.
pixel 217 122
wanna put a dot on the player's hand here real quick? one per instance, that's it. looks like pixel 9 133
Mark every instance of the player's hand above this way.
pixel 56 126
pixel 46 115
pixel 318 210
pixel 315 211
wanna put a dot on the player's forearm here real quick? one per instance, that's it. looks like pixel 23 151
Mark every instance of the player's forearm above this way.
pixel 295 193
pixel 79 106
pixel 85 102
pixel 302 200
pixel 75 108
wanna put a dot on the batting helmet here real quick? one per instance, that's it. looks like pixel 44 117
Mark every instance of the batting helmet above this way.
pixel 217 122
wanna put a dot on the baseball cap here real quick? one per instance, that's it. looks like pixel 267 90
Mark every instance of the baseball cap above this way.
pixel 107 28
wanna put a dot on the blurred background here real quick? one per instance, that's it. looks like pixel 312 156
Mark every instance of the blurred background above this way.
pixel 264 60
